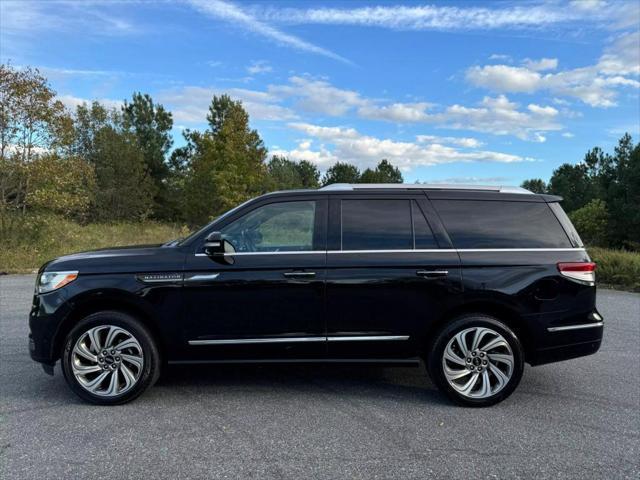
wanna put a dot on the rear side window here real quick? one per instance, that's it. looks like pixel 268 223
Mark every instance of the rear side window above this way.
pixel 373 224
pixel 493 224
pixel 376 225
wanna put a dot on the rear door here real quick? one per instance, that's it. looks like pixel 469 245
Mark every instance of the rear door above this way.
pixel 389 274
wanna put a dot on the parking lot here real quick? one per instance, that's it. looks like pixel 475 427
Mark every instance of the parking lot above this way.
pixel 576 419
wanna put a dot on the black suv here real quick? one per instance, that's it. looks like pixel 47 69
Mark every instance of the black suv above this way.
pixel 473 280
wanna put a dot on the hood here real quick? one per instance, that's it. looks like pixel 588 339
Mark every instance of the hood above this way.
pixel 137 258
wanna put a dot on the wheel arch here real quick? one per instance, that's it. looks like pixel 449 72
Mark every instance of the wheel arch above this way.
pixel 106 300
pixel 505 313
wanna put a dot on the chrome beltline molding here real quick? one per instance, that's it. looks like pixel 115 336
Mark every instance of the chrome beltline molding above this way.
pixel 432 250
pixel 246 341
pixel 575 327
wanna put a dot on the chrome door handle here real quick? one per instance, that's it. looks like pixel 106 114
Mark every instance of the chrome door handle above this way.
pixel 432 273
pixel 201 277
pixel 299 274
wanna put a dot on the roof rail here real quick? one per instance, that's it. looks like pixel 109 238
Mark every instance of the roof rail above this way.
pixel 424 186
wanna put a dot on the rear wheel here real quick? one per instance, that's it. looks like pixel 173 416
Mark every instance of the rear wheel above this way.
pixel 110 358
pixel 476 360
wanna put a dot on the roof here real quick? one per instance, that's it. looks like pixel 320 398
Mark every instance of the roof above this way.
pixel 424 186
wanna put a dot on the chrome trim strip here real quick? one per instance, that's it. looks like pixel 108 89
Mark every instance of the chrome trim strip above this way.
pixel 201 278
pixel 575 327
pixel 246 341
pixel 521 250
pixel 431 250
pixel 369 338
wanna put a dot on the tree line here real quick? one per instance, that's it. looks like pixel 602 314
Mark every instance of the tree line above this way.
pixel 601 194
pixel 108 164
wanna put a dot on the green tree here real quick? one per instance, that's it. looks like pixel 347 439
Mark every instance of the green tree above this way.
pixel 341 173
pixel 309 174
pixel 225 165
pixel 535 185
pixel 572 183
pixel 591 222
pixel 151 125
pixel 285 174
pixel 383 173
pixel 622 195
pixel 124 190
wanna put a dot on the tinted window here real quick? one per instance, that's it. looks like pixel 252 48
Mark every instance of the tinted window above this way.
pixel 486 224
pixel 376 225
pixel 286 226
pixel 423 235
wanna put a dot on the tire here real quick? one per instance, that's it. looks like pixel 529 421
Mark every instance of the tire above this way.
pixel 127 369
pixel 497 370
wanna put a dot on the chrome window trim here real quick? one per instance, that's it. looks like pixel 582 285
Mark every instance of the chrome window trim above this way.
pixel 429 250
pixel 246 341
pixel 565 328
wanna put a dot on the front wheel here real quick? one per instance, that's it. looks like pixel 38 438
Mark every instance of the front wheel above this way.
pixel 110 358
pixel 476 360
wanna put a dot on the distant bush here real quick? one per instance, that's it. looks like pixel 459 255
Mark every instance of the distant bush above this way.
pixel 617 268
pixel 39 238
pixel 591 222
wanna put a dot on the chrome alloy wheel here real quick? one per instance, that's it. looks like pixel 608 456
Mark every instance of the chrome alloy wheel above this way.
pixel 478 362
pixel 107 360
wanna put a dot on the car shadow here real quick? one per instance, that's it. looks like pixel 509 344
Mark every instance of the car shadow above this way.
pixel 402 384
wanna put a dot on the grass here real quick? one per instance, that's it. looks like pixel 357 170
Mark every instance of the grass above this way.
pixel 53 237
pixel 617 268
pixel 47 238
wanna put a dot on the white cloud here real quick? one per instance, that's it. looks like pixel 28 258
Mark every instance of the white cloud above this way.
pixel 347 144
pixel 191 104
pixel 500 56
pixel 258 67
pixel 568 135
pixel 495 115
pixel 467 142
pixel 425 17
pixel 596 85
pixel 237 16
pixel 72 102
pixel 542 64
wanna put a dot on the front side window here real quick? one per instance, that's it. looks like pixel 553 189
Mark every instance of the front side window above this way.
pixel 276 227
pixel 495 224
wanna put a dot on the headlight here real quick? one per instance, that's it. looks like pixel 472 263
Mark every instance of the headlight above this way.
pixel 50 281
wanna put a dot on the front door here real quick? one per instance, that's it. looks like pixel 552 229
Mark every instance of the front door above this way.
pixel 387 276
pixel 266 300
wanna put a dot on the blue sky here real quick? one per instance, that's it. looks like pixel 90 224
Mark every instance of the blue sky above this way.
pixel 469 92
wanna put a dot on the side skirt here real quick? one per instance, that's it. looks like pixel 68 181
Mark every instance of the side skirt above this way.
pixel 386 362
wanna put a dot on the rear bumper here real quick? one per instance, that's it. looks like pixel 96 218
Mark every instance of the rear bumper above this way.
pixel 570 341
pixel 564 352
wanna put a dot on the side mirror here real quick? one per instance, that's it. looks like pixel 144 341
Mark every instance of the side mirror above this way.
pixel 216 246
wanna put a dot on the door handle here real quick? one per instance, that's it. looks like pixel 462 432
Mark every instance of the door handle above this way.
pixel 299 274
pixel 201 278
pixel 432 273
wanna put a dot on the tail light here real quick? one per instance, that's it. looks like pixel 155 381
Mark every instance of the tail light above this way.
pixel 581 271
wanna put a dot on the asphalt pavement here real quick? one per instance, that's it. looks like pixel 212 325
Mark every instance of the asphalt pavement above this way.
pixel 575 419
